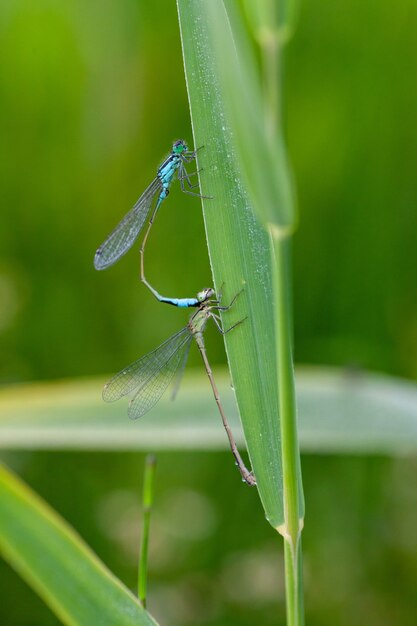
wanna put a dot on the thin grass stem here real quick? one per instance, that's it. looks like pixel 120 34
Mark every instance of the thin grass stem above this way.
pixel 282 290
pixel 147 499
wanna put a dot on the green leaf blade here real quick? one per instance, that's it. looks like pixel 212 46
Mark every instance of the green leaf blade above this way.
pixel 59 566
pixel 239 254
pixel 339 412
pixel 227 76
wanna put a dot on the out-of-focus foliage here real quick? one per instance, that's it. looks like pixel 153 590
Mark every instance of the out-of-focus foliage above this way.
pixel 351 102
pixel 91 96
pixel 90 105
pixel 213 559
pixel 53 560
pixel 338 411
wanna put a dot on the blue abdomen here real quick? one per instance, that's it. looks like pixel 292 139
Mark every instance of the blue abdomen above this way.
pixel 183 303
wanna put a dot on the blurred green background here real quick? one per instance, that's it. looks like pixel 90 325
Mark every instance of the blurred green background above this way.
pixel 92 95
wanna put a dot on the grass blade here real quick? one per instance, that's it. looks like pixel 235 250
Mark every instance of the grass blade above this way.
pixel 58 565
pixel 272 21
pixel 218 41
pixel 340 411
pixel 238 248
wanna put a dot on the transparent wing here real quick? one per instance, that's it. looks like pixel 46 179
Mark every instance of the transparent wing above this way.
pixel 138 373
pixel 124 235
pixel 180 372
pixel 151 391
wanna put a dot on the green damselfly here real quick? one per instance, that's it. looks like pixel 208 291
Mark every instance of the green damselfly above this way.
pixel 150 375
pixel 126 232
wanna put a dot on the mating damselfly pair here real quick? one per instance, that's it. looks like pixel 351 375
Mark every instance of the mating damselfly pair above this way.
pixel 150 375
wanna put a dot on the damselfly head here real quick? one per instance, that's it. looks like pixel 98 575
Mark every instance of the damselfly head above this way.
pixel 179 147
pixel 205 295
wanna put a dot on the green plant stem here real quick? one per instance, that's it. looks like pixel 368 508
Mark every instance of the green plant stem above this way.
pixel 148 491
pixel 281 285
pixel 294 584
pixel 292 492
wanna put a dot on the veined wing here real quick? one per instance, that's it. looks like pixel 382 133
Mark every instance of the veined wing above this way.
pixel 151 391
pixel 138 373
pixel 124 235
pixel 180 372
